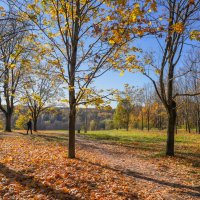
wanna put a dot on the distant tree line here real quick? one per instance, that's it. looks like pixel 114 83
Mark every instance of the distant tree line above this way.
pixel 55 118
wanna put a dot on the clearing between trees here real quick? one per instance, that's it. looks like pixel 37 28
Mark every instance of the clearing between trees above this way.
pixel 128 167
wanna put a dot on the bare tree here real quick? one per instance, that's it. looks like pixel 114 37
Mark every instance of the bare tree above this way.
pixel 190 85
pixel 180 17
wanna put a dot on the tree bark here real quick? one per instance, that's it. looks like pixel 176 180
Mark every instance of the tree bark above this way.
pixel 8 122
pixel 142 122
pixel 127 123
pixel 72 124
pixel 171 131
pixel 148 127
pixel 35 124
pixel 85 130
pixel 198 120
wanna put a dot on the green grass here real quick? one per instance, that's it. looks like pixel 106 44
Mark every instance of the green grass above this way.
pixel 141 136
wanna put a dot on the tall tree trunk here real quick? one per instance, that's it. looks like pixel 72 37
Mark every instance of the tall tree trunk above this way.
pixel 198 121
pixel 186 128
pixel 148 119
pixel 171 131
pixel 127 126
pixel 142 122
pixel 160 123
pixel 187 123
pixel 72 124
pixel 8 122
pixel 35 124
pixel 128 120
pixel 85 120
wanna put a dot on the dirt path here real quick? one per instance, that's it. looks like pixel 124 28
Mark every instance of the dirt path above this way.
pixel 160 178
pixel 151 178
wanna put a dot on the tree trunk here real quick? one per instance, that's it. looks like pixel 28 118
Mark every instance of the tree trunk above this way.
pixel 8 122
pixel 198 121
pixel 160 122
pixel 35 124
pixel 127 126
pixel 171 131
pixel 72 124
pixel 148 118
pixel 127 123
pixel 188 123
pixel 85 120
pixel 142 122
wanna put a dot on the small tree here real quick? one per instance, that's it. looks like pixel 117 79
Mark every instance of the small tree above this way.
pixel 122 114
pixel 127 100
pixel 21 121
pixel 93 125
pixel 40 90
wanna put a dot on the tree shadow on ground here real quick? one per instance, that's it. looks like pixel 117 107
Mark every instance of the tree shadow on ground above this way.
pixel 21 133
pixel 50 137
pixel 30 182
pixel 152 149
pixel 193 159
pixel 195 189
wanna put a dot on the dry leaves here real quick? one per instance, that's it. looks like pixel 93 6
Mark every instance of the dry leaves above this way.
pixel 36 169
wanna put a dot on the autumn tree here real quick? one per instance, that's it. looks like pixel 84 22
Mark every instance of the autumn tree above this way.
pixel 176 22
pixel 127 100
pixel 85 38
pixel 40 90
pixel 12 65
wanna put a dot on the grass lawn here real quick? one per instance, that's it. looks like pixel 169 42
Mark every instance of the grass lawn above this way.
pixel 143 137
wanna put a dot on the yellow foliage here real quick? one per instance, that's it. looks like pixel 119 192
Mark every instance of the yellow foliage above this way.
pixel 21 121
pixel 121 73
pixel 111 41
pixel 130 59
pixel 136 12
pixel 11 66
pixel 195 35
pixel 178 27
pixel 157 71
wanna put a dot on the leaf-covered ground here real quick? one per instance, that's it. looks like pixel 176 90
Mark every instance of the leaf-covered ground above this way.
pixel 36 167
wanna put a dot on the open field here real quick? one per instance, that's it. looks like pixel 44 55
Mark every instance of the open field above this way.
pixel 153 141
pixel 109 165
